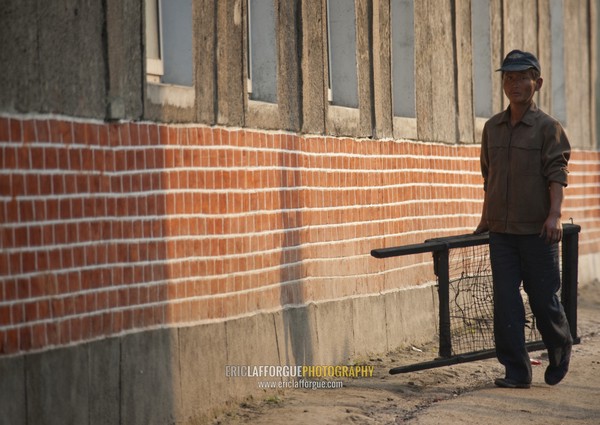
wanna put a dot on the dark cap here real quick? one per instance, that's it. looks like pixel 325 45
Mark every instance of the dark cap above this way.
pixel 519 61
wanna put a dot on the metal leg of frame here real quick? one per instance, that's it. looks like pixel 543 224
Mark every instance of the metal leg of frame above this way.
pixel 570 255
pixel 441 262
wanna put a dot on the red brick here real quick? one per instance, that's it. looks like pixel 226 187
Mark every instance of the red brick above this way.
pixel 97 326
pixel 102 300
pixel 92 136
pixel 53 333
pixel 163 134
pixel 128 319
pixel 25 338
pixel 65 131
pixel 9 158
pixel 138 318
pixel 75 328
pixel 174 134
pixel 57 307
pixel 79 133
pixel 64 331
pixel 4 267
pixel 38 336
pixel 139 134
pixel 117 322
pixel 114 135
pixel 15 126
pixel 148 316
pixel 153 135
pixel 207 137
pixel 103 135
pixel 69 306
pixel 19 237
pixel 11 341
pixel 5 315
pixel 17 313
pixel 4 129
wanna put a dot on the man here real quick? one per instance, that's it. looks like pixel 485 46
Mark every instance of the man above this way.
pixel 524 156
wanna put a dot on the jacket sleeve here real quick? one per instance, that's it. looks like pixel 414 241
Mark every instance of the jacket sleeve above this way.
pixel 556 152
pixel 483 158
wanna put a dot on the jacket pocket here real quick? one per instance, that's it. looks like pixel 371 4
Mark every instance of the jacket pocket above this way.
pixel 526 157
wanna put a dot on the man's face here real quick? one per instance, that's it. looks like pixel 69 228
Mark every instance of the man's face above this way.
pixel 520 86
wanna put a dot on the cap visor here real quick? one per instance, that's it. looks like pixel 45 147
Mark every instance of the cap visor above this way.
pixel 515 67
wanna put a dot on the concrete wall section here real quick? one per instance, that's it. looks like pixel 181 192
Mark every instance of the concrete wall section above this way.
pixel 289 78
pixel 364 56
pixel 382 69
pixel 150 378
pixel 464 72
pixel 577 71
pixel 544 54
pixel 205 50
pixel 19 62
pixel 88 60
pixel 34 34
pixel 13 393
pixel 231 87
pixel 179 375
pixel 104 380
pixel 408 325
pixel 313 64
pixel 58 386
pixel 124 59
pixel 436 97
pixel 497 53
pixel 203 356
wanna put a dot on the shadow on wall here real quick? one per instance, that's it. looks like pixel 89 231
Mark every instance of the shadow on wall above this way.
pixel 296 318
pixel 107 203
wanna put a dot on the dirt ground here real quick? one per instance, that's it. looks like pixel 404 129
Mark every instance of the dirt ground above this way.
pixel 462 393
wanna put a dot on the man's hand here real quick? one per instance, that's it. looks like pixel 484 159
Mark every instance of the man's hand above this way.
pixel 482 227
pixel 552 230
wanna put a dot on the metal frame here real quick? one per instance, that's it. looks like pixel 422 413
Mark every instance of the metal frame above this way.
pixel 440 248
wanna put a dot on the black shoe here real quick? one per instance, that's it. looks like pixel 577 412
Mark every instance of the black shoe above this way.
pixel 555 374
pixel 511 383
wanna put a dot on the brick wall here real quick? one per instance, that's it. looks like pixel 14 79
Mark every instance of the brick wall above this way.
pixel 107 229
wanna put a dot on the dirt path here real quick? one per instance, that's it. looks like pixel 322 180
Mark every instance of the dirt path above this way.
pixel 462 393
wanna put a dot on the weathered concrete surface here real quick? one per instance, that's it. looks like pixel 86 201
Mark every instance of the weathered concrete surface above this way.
pixel 87 60
pixel 202 368
pixel 12 391
pixel 334 344
pixel 125 59
pixel 407 324
pixel 104 382
pixel 313 63
pixel 150 378
pixel 434 79
pixel 34 34
pixel 230 62
pixel 179 375
pixel 58 387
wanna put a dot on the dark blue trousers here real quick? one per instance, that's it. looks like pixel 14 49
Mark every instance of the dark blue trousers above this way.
pixel 526 259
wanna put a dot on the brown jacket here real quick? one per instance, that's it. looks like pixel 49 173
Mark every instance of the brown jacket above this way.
pixel 518 165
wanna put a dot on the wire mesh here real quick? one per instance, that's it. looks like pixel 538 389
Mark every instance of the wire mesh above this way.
pixel 471 301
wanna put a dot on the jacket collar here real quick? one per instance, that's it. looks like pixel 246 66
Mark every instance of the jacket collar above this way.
pixel 528 118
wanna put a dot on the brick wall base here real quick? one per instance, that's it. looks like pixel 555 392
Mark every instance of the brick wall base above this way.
pixel 179 374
